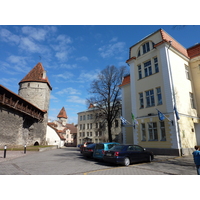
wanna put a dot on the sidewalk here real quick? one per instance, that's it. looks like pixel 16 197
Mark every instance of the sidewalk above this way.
pixel 14 154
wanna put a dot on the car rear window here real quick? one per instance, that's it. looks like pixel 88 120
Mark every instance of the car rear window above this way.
pixel 91 145
pixel 99 146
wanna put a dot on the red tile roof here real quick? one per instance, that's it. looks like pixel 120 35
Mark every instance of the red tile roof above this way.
pixel 125 81
pixel 194 51
pixel 175 44
pixel 36 75
pixel 62 113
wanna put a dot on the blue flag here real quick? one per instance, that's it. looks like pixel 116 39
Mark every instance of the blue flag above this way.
pixel 123 120
pixel 176 112
pixel 161 116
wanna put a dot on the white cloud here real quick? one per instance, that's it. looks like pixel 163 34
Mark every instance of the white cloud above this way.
pixel 114 39
pixel 83 58
pixel 69 91
pixel 76 99
pixel 7 36
pixel 53 97
pixel 88 76
pixel 111 49
pixel 36 33
pixel 17 59
pixel 64 76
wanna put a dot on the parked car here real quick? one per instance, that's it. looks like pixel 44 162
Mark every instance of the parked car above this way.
pixel 88 151
pixel 128 154
pixel 82 146
pixel 100 149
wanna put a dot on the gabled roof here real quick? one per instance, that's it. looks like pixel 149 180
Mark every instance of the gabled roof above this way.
pixel 62 113
pixel 37 74
pixel 125 81
pixel 52 125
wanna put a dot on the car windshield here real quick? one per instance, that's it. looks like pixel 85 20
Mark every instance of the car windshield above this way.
pixel 117 148
pixel 111 145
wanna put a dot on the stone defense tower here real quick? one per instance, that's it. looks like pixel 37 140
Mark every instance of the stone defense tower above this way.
pixel 36 89
pixel 62 116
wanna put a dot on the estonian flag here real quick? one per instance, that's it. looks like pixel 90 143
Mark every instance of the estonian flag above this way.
pixel 176 112
pixel 160 116
pixel 123 120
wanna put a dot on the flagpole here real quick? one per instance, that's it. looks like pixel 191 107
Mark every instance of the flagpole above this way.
pixel 165 116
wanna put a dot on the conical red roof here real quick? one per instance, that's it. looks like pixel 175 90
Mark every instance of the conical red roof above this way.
pixel 36 75
pixel 62 113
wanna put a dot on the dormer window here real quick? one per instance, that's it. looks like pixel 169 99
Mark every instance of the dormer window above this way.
pixel 146 47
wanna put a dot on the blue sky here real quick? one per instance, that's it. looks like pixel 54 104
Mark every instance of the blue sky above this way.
pixel 72 55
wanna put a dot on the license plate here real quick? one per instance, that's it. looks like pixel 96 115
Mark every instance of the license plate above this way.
pixel 108 154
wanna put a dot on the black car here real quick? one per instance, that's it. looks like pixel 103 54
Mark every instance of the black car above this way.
pixel 127 154
pixel 88 151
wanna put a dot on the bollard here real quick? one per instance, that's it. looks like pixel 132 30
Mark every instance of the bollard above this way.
pixel 5 147
pixel 25 148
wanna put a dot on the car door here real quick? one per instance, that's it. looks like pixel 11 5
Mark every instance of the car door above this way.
pixel 132 154
pixel 140 153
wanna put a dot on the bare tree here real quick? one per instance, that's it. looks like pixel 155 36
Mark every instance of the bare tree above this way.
pixel 105 95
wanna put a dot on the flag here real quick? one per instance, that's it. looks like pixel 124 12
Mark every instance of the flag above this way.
pixel 135 121
pixel 176 112
pixel 123 120
pixel 132 116
pixel 160 116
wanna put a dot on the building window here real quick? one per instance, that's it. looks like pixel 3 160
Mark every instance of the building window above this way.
pixel 159 96
pixel 147 68
pixel 145 47
pixel 88 117
pixel 90 134
pixel 96 133
pixel 88 126
pixel 83 126
pixel 138 53
pixel 91 116
pixel 156 64
pixel 141 100
pixel 96 125
pixel 150 98
pixel 91 126
pixel 192 100
pixel 162 130
pixel 139 71
pixel 87 134
pixel 116 123
pixel 153 133
pixel 81 118
pixel 80 126
pixel 80 134
pixel 187 72
pixel 143 131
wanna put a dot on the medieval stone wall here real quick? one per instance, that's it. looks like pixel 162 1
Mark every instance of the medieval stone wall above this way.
pixel 17 129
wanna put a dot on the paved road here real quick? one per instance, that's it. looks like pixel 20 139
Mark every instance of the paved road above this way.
pixel 68 161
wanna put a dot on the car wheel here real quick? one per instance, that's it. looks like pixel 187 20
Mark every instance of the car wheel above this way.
pixel 126 161
pixel 149 158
